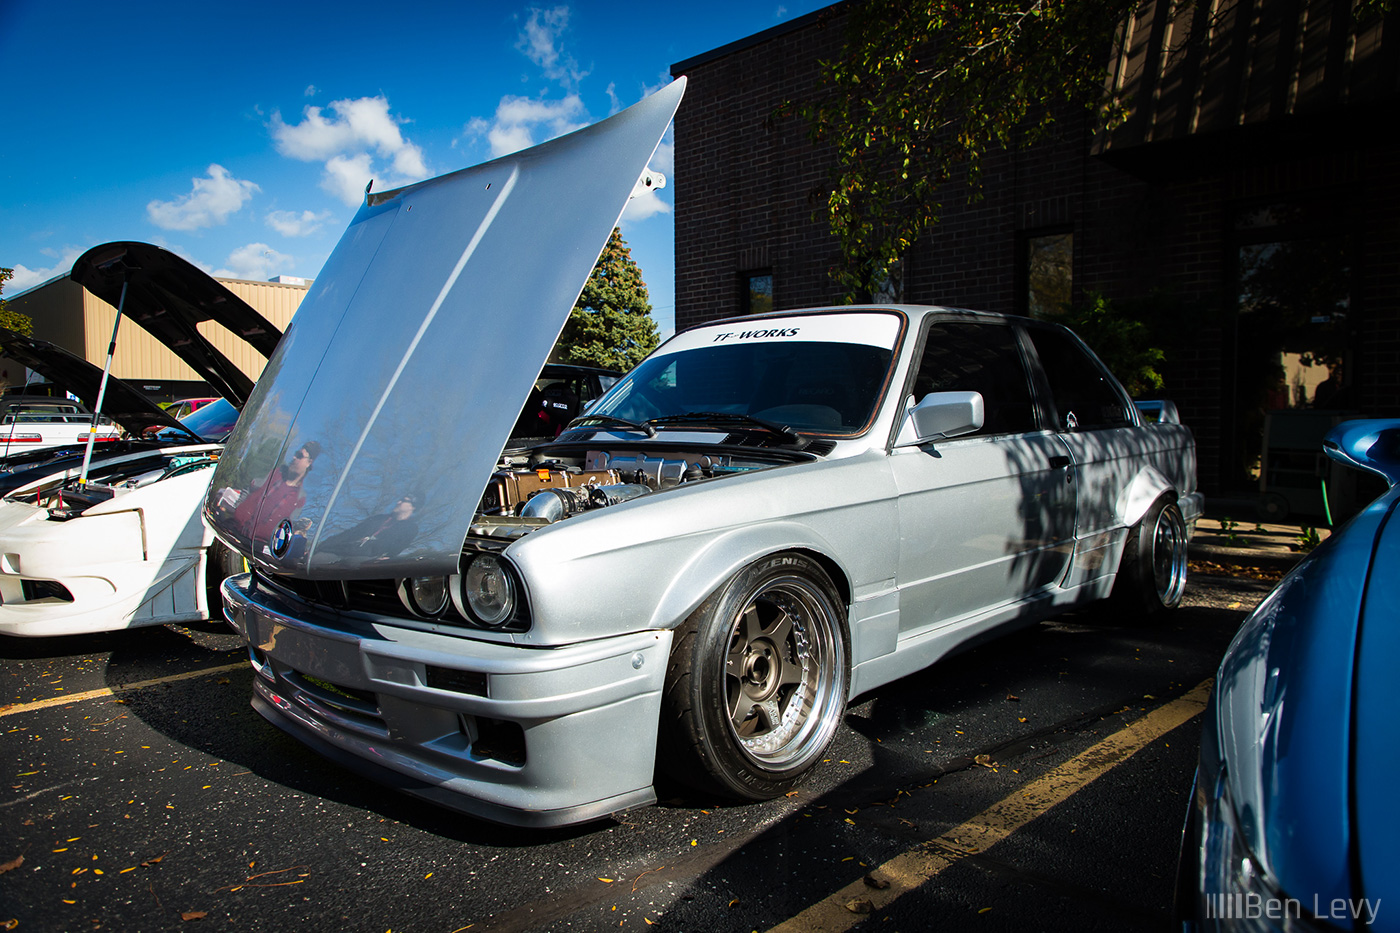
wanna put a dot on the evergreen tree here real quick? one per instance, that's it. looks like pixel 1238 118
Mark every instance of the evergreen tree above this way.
pixel 611 324
pixel 19 323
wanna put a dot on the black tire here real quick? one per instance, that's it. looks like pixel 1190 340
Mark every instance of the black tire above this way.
pixel 757 680
pixel 1152 575
pixel 220 563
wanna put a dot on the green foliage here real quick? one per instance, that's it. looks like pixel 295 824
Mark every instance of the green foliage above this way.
pixel 611 324
pixel 1120 338
pixel 925 89
pixel 19 323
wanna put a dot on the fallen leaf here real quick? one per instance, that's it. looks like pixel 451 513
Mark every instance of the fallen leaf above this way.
pixel 733 902
pixel 860 905
pixel 1012 696
pixel 606 880
pixel 12 864
pixel 985 761
pixel 9 924
pixel 984 910
pixel 878 884
pixel 194 915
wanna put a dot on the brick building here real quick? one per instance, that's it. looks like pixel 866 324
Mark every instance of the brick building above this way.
pixel 1253 195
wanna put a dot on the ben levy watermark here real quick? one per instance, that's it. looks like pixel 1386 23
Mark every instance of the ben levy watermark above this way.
pixel 1253 906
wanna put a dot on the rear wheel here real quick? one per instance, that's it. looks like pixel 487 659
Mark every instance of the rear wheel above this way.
pixel 757 680
pixel 1152 574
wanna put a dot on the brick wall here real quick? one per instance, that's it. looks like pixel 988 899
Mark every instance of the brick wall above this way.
pixel 750 196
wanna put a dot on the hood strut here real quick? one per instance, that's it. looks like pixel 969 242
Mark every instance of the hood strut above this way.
pixel 102 386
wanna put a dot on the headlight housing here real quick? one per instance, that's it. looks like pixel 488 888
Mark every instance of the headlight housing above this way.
pixel 1236 890
pixel 489 595
pixel 425 596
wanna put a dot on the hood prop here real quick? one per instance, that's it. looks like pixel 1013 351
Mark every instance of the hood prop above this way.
pixel 102 386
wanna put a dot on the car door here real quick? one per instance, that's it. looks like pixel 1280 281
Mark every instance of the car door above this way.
pixel 1095 420
pixel 987 518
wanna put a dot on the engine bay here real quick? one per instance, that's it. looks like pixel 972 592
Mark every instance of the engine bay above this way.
pixel 530 489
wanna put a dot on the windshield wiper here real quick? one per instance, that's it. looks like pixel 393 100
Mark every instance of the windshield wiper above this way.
pixel 646 428
pixel 727 417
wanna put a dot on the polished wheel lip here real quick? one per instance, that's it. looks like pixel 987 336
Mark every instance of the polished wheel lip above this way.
pixel 1169 555
pixel 780 673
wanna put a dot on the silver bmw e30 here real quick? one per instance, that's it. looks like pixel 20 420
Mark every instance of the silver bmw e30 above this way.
pixel 765 518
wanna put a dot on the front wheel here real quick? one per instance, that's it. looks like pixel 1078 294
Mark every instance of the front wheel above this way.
pixel 221 562
pixel 757 680
pixel 1152 574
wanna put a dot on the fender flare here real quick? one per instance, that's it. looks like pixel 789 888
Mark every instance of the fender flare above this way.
pixel 1146 488
pixel 723 557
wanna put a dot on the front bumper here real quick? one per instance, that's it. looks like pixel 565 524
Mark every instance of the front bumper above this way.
pixel 517 735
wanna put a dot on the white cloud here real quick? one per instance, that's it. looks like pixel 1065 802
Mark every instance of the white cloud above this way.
pixel 311 91
pixel 209 204
pixel 25 277
pixel 346 177
pixel 256 261
pixel 290 223
pixel 348 142
pixel 520 122
pixel 539 40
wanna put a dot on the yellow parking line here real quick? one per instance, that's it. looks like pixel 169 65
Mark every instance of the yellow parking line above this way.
pixel 112 691
pixel 911 869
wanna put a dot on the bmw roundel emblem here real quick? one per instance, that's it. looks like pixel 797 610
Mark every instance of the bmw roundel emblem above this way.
pixel 281 538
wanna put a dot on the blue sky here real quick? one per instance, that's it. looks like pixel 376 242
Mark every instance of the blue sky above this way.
pixel 241 135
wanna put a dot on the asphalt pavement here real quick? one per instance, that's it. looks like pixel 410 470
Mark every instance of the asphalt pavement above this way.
pixel 1036 782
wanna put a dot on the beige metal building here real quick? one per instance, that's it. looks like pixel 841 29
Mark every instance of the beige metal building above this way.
pixel 66 314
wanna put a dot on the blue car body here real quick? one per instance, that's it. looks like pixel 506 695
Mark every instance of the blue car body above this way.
pixel 1293 816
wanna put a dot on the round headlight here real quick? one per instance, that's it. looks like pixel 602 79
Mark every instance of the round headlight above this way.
pixel 427 594
pixel 489 591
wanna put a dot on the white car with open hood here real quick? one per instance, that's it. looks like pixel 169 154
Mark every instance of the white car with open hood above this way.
pixel 126 545
pixel 765 518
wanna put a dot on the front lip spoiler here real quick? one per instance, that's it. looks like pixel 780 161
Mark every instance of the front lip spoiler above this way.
pixel 582 708
pixel 284 716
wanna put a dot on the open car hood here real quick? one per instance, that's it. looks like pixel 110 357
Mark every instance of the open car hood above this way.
pixel 131 409
pixel 416 349
pixel 168 296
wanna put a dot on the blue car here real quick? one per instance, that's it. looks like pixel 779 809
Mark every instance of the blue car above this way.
pixel 1295 813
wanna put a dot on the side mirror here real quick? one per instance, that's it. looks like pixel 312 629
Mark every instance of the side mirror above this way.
pixel 1370 444
pixel 941 414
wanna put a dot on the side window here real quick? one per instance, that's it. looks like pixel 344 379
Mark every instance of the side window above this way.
pixel 1085 395
pixel 983 358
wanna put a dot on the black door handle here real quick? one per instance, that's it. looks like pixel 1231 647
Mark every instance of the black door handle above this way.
pixel 1057 462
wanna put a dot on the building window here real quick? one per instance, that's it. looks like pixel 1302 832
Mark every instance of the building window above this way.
pixel 1048 273
pixel 757 292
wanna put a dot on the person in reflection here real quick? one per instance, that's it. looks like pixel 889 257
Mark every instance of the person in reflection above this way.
pixel 279 496
pixel 380 536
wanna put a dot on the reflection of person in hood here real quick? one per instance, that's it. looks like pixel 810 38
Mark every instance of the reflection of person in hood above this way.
pixel 380 536
pixel 279 496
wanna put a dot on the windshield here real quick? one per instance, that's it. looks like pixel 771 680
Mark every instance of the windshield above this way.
pixel 768 371
pixel 213 422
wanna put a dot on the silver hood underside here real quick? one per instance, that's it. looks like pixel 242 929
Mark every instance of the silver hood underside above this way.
pixel 412 355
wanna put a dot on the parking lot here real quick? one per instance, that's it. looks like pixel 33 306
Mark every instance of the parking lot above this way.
pixel 1037 782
